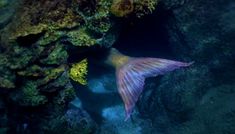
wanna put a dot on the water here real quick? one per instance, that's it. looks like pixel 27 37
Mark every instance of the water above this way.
pixel 43 42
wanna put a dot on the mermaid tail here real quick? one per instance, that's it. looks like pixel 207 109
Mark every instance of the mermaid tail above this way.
pixel 131 77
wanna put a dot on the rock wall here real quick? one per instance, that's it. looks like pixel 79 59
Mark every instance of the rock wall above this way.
pixel 37 39
pixel 198 99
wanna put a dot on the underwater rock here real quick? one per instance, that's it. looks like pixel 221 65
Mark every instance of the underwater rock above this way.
pixel 114 123
pixel 51 74
pixel 199 27
pixel 3 3
pixel 32 71
pixel 5 16
pixel 19 57
pixel 57 56
pixel 81 38
pixel 34 57
pixel 80 120
pixel 6 83
pixel 139 8
pixel 31 96
pixel 174 96
pixel 50 37
pixel 45 75
pixel 35 18
pixel 66 95
pixel 100 23
pixel 7 77
pixel 72 121
pixel 198 30
pixel 7 8
pixel 203 30
pixel 144 7
pixel 35 64
pixel 172 4
pixel 121 8
pixel 51 24
pixel 61 82
pixel 214 114
pixel 34 53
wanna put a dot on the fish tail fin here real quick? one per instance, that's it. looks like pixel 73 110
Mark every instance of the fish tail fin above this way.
pixel 131 77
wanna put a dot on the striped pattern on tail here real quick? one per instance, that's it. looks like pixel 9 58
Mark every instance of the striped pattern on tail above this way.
pixel 131 77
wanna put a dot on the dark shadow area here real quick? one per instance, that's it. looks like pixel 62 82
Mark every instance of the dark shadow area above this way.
pixel 29 39
pixel 146 37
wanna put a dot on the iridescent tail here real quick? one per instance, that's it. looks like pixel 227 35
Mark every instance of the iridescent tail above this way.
pixel 131 77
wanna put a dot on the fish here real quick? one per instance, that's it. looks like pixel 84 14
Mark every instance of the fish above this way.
pixel 131 73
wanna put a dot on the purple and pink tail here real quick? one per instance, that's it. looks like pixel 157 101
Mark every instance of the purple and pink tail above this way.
pixel 131 77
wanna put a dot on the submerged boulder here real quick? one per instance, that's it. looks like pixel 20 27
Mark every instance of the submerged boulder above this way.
pixel 80 119
pixel 123 8
pixel 199 31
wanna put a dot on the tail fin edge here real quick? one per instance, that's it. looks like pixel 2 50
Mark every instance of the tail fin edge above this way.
pixel 137 70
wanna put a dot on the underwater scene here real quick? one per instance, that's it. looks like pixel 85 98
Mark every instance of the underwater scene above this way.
pixel 117 67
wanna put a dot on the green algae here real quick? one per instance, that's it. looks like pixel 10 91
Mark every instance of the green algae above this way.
pixel 66 95
pixel 50 37
pixel 81 38
pixel 32 71
pixel 121 8
pixel 100 22
pixel 3 3
pixel 143 7
pixel 35 51
pixel 31 95
pixel 51 74
pixel 7 77
pixel 6 83
pixel 57 56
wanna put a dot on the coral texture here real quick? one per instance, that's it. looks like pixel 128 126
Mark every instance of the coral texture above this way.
pixel 78 72
pixel 37 39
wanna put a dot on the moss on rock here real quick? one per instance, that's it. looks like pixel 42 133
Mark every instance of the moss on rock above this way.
pixel 121 8
pixel 143 7
pixel 81 38
pixel 51 74
pixel 34 53
pixel 100 22
pixel 58 56
pixel 139 8
pixel 31 95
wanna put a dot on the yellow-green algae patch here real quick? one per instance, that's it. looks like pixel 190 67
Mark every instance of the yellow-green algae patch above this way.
pixel 78 72
pixel 51 74
pixel 38 17
pixel 143 7
pixel 122 8
pixel 81 38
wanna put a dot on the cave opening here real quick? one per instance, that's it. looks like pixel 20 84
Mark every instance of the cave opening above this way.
pixel 146 37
